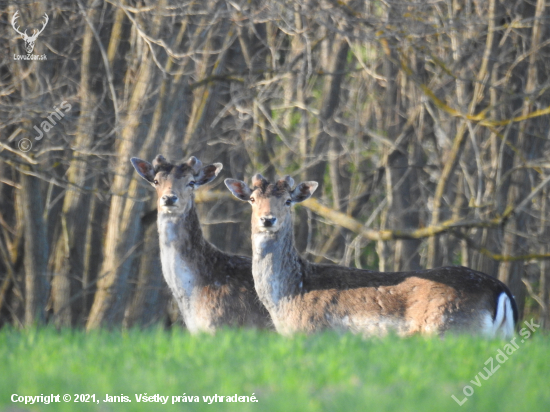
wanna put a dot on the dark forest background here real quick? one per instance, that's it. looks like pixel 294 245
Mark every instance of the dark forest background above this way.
pixel 425 123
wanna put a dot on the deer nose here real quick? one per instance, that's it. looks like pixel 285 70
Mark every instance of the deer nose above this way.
pixel 169 200
pixel 268 221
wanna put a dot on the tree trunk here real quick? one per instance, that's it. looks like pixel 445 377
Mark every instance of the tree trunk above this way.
pixel 37 285
pixel 70 247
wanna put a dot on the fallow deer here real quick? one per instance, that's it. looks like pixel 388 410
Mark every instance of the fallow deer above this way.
pixel 212 288
pixel 304 297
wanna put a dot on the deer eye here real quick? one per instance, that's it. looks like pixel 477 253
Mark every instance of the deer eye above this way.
pixel 156 181
pixel 288 202
pixel 191 184
pixel 251 200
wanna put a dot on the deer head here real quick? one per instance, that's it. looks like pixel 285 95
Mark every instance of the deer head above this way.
pixel 29 40
pixel 175 184
pixel 271 202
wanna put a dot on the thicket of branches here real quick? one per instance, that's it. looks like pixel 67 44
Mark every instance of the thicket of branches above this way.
pixel 425 123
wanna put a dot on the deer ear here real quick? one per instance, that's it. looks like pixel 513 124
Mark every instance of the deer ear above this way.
pixel 239 189
pixel 303 191
pixel 207 173
pixel 144 169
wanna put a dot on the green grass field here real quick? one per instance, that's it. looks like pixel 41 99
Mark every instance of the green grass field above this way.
pixel 324 372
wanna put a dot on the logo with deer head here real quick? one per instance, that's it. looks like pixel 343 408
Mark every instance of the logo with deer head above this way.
pixel 29 40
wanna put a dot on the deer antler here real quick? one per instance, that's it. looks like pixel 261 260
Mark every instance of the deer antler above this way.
pixel 159 160
pixel 35 34
pixel 195 163
pixel 13 23
pixel 257 180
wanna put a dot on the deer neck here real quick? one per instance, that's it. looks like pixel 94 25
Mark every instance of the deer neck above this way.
pixel 183 250
pixel 277 268
pixel 183 230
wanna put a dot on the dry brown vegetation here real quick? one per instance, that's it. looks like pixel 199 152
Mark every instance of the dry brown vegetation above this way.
pixel 425 123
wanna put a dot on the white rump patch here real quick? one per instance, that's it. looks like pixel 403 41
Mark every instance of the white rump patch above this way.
pixel 503 324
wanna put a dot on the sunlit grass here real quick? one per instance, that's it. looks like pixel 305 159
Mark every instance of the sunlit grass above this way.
pixel 327 371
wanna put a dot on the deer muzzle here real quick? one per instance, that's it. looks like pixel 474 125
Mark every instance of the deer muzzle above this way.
pixel 168 200
pixel 268 221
